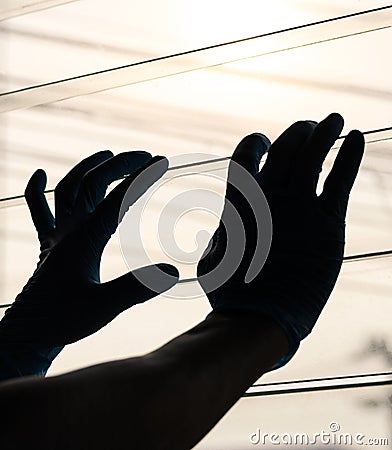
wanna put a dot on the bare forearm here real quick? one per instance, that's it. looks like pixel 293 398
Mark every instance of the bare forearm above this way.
pixel 211 367
pixel 168 399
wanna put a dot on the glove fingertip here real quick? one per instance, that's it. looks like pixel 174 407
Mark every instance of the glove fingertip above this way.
pixel 157 278
pixel 258 141
pixel 37 182
pixel 264 138
pixel 249 152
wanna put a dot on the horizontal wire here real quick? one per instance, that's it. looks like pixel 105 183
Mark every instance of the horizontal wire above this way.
pixel 318 384
pixel 308 389
pixel 226 158
pixel 222 159
pixel 362 256
pixel 379 140
pixel 309 380
pixel 380 130
pixel 201 49
pixel 350 258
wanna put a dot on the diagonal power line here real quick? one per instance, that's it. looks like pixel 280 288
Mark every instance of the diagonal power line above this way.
pixel 209 47
pixel 128 74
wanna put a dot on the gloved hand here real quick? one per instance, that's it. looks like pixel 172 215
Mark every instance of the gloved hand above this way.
pixel 308 231
pixel 64 300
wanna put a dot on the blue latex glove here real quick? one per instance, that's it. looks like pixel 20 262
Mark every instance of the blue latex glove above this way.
pixel 308 230
pixel 64 300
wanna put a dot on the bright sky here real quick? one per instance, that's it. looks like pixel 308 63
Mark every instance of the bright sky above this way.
pixel 202 114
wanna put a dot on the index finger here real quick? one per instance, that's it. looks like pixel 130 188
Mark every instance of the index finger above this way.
pixel 96 181
pixel 111 210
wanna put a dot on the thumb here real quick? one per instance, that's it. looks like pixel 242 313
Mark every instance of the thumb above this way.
pixel 139 285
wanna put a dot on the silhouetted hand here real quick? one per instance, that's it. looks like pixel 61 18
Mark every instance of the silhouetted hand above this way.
pixel 64 300
pixel 308 236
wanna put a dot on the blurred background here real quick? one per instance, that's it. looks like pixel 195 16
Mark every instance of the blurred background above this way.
pixel 188 79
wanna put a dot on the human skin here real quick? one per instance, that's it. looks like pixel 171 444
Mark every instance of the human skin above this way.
pixel 168 399
pixel 171 397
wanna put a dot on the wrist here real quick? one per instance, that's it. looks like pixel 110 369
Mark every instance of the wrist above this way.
pixel 260 326
pixel 254 328
pixel 24 360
